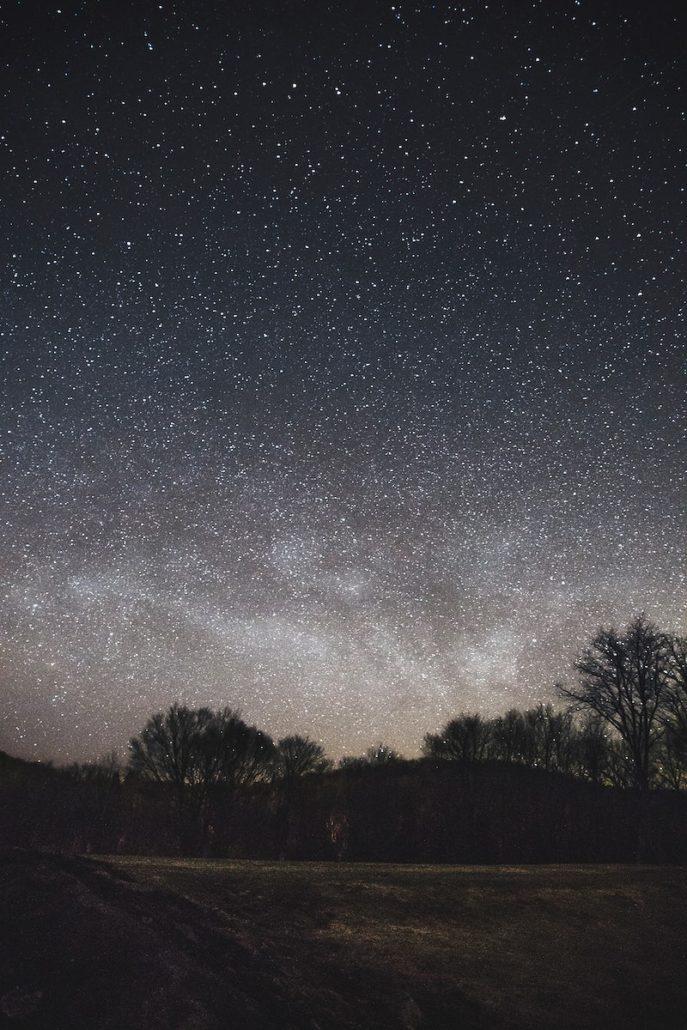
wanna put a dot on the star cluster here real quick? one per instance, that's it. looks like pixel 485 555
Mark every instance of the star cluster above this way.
pixel 343 352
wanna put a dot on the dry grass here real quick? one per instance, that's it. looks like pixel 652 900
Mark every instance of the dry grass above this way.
pixel 431 946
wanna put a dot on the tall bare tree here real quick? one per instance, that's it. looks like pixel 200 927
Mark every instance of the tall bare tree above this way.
pixel 624 678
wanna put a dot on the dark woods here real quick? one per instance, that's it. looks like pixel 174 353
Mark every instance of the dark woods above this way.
pixel 598 781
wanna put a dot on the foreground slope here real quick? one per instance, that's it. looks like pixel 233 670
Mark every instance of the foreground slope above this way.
pixel 194 944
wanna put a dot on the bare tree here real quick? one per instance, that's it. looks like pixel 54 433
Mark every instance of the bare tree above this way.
pixel 198 748
pixel 677 694
pixel 353 762
pixel 463 739
pixel 509 737
pixel 380 754
pixel 670 766
pixel 624 679
pixel 232 753
pixel 672 761
pixel 591 757
pixel 551 733
pixel 168 748
pixel 297 756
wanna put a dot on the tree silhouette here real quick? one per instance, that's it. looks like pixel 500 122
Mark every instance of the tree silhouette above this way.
pixel 509 737
pixel 591 749
pixel 463 739
pixel 673 757
pixel 197 751
pixel 380 754
pixel 624 678
pixel 297 756
pixel 168 748
pixel 550 736
pixel 198 748
pixel 232 753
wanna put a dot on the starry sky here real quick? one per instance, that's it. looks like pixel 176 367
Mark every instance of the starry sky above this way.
pixel 343 358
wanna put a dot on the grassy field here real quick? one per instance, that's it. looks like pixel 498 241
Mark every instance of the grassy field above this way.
pixel 427 946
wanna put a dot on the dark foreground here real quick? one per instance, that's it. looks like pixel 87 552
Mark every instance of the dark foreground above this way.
pixel 162 943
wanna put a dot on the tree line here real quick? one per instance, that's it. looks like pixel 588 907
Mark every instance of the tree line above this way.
pixel 625 725
pixel 596 780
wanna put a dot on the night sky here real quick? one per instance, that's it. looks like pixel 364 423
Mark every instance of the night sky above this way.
pixel 342 357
